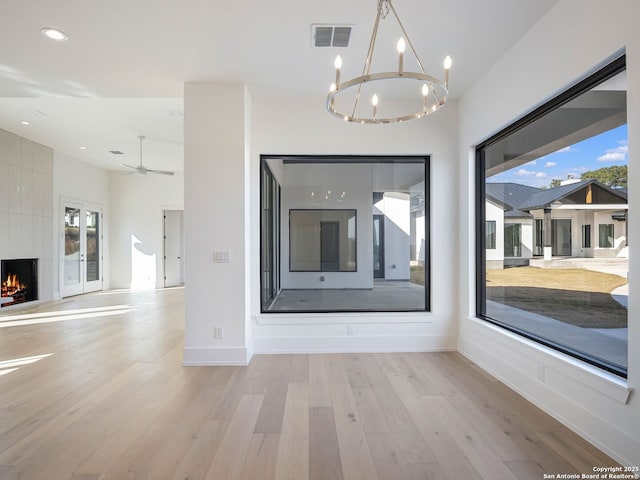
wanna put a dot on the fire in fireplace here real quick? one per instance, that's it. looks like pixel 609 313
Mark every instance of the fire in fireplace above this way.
pixel 19 281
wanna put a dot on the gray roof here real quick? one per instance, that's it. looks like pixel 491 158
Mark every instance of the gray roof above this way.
pixel 517 199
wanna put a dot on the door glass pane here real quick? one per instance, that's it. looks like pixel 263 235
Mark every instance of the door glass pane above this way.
pixel 71 246
pixel 538 239
pixel 512 245
pixel 561 237
pixel 93 246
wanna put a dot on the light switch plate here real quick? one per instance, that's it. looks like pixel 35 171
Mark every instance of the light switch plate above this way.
pixel 221 257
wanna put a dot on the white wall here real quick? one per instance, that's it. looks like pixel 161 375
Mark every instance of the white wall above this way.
pixel 83 183
pixel 136 237
pixel 302 126
pixel 573 38
pixel 396 208
pixel 26 216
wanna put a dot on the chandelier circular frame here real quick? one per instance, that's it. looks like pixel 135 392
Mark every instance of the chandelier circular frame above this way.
pixel 437 89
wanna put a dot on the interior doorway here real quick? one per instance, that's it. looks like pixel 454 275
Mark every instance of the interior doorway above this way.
pixel 173 246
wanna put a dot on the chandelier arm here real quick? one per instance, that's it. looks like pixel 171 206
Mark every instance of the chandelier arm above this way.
pixel 369 59
pixel 404 32
pixel 435 96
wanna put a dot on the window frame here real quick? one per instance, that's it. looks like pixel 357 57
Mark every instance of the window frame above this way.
pixel 491 236
pixel 611 228
pixel 611 69
pixel 425 160
pixel 586 235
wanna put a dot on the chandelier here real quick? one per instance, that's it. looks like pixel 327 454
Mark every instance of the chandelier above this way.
pixel 422 93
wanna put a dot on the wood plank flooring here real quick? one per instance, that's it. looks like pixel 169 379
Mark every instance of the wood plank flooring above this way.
pixel 92 388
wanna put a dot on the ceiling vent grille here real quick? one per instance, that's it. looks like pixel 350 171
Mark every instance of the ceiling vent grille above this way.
pixel 330 35
pixel 116 152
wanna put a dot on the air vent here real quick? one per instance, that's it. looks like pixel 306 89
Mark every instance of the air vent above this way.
pixel 330 35
pixel 116 152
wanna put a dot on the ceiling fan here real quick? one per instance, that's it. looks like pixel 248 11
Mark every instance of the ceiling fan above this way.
pixel 141 169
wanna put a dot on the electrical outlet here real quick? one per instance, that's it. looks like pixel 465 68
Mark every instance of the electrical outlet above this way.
pixel 219 332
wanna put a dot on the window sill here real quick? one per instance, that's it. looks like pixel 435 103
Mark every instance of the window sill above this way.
pixel 342 317
pixel 555 368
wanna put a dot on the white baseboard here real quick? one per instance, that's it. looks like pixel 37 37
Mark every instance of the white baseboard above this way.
pixel 349 344
pixel 195 357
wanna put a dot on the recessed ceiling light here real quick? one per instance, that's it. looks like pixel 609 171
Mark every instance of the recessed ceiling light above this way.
pixel 25 123
pixel 83 148
pixel 54 34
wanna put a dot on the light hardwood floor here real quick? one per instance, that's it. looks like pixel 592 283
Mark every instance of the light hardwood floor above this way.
pixel 92 388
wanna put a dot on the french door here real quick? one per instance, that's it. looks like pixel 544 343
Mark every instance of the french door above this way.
pixel 80 249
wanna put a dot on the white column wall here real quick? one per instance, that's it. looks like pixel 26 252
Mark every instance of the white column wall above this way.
pixel 216 142
pixel 571 39
pixel 302 126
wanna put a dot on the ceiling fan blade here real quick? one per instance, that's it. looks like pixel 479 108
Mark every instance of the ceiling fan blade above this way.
pixel 129 166
pixel 160 172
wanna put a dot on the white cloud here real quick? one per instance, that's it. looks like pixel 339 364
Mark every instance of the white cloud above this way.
pixel 564 150
pixel 550 164
pixel 612 157
pixel 524 173
pixel 541 175
pixel 618 154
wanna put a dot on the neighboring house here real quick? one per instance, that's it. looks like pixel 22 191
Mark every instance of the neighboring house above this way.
pixel 581 219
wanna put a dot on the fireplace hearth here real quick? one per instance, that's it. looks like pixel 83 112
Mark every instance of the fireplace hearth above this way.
pixel 19 281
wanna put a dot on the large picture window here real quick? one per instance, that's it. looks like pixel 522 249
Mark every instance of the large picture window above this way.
pixel 344 234
pixel 545 180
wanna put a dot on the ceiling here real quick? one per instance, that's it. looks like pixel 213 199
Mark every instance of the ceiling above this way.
pixel 121 72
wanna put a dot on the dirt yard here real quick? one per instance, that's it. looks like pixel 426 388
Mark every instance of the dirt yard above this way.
pixel 576 296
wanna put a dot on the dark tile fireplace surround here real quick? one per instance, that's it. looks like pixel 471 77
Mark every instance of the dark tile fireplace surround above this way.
pixel 19 281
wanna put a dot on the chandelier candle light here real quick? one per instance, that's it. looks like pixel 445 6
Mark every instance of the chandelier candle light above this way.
pixel 430 95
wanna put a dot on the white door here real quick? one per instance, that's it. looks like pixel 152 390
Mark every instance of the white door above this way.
pixel 81 249
pixel 173 248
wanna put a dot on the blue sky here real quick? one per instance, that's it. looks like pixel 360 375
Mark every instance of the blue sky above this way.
pixel 604 150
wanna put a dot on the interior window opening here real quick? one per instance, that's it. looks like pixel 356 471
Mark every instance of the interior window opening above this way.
pixel 344 234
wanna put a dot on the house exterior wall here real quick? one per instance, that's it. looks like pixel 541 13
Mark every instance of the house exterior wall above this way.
pixel 593 403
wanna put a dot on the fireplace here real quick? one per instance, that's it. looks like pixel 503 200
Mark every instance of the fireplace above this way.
pixel 19 281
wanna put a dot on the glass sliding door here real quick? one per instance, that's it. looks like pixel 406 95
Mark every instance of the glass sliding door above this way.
pixel 81 249
pixel 561 237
